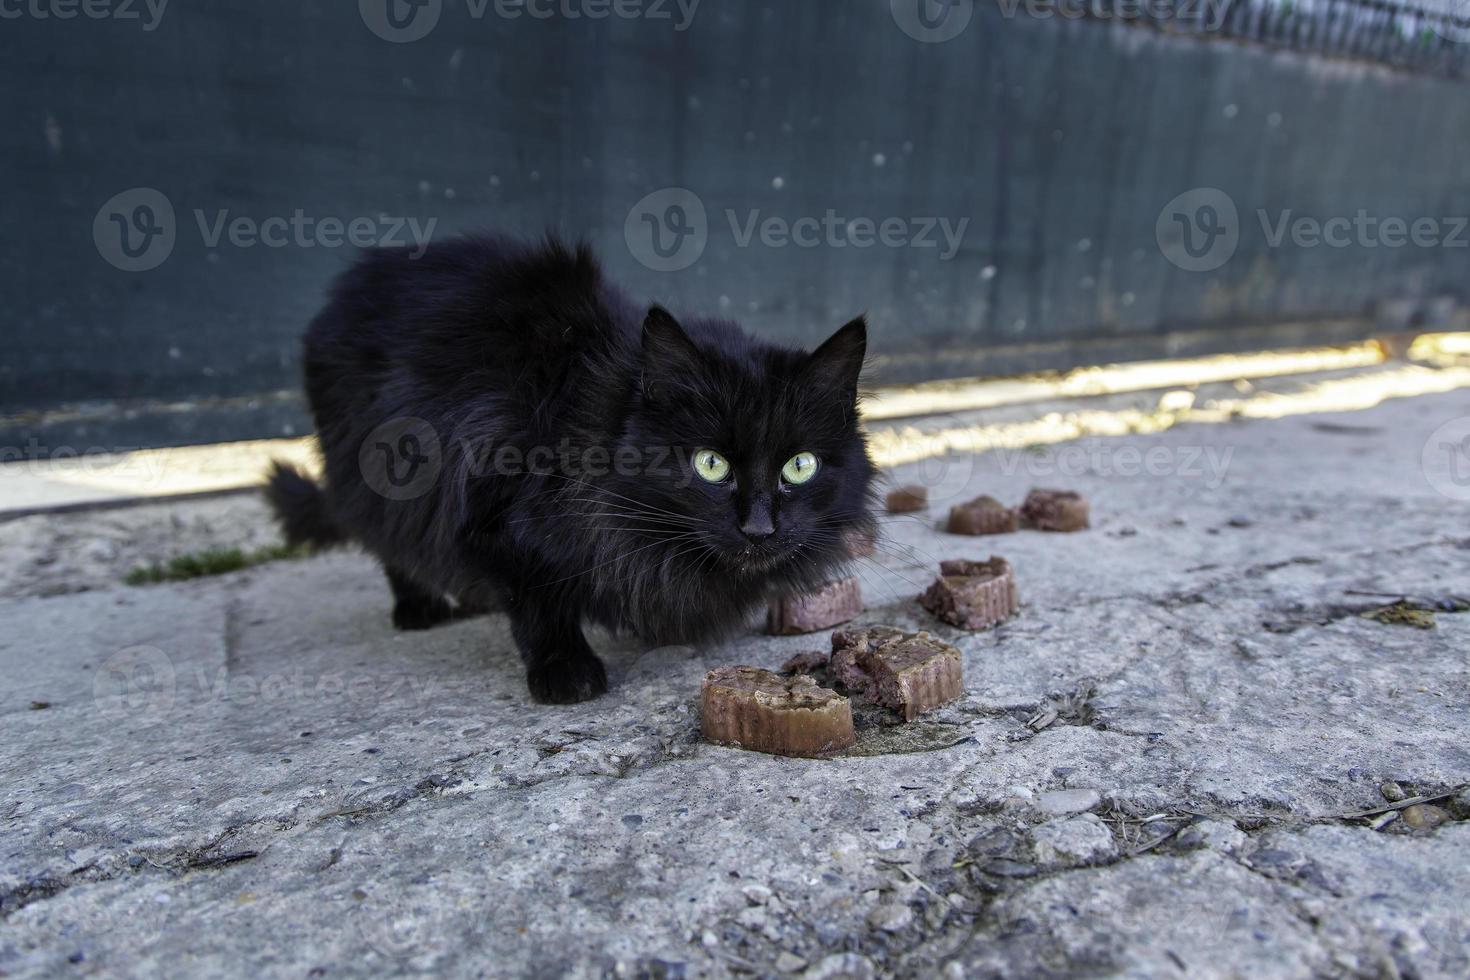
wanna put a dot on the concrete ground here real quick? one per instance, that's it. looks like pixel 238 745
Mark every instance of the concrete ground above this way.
pixel 252 774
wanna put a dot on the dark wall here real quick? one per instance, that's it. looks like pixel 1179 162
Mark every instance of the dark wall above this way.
pixel 1058 143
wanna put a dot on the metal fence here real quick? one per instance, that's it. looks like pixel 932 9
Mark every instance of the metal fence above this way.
pixel 1426 36
pixel 1003 186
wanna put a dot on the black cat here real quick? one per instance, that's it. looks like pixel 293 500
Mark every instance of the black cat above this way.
pixel 499 423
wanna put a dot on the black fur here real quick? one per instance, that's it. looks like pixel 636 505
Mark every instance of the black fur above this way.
pixel 301 508
pixel 499 348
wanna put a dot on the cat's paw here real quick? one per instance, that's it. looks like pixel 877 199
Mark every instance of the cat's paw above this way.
pixel 567 681
pixel 415 614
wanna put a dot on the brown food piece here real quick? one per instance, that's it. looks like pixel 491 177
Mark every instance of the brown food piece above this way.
pixel 751 708
pixel 848 644
pixel 805 662
pixel 907 499
pixel 983 515
pixel 972 595
pixel 1054 510
pixel 909 672
pixel 836 602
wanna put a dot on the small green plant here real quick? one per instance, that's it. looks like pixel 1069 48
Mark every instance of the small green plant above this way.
pixel 215 561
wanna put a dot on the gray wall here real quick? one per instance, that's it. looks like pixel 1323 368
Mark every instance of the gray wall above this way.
pixel 1058 142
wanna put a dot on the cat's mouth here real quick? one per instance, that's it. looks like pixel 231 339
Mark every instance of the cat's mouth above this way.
pixel 759 559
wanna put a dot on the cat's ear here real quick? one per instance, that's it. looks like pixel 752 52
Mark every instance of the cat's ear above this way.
pixel 839 361
pixel 669 356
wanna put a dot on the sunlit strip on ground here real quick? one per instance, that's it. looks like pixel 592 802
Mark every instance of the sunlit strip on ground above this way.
pixel 1440 347
pixel 896 445
pixel 88 477
pixel 200 469
pixel 938 397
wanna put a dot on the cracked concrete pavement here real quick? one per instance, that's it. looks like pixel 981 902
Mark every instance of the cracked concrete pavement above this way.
pixel 253 774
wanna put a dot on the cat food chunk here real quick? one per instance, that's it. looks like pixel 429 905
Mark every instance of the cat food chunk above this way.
pixel 909 672
pixel 907 499
pixel 754 709
pixel 972 595
pixel 836 602
pixel 1054 510
pixel 983 515
pixel 806 662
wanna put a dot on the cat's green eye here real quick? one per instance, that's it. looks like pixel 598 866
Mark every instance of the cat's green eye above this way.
pixel 799 468
pixel 710 465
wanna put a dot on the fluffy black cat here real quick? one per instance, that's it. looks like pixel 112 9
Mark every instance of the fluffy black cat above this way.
pixel 501 425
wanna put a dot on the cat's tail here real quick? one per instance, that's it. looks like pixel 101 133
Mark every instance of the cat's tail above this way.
pixel 301 508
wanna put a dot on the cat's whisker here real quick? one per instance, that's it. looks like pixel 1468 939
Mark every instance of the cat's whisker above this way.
pixel 603 490
pixel 615 558
pixel 897 596
pixel 591 515
pixel 632 505
pixel 660 514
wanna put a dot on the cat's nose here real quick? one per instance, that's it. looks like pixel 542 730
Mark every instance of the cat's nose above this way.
pixel 757 527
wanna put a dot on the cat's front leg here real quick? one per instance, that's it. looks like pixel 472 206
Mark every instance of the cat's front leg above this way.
pixel 560 667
